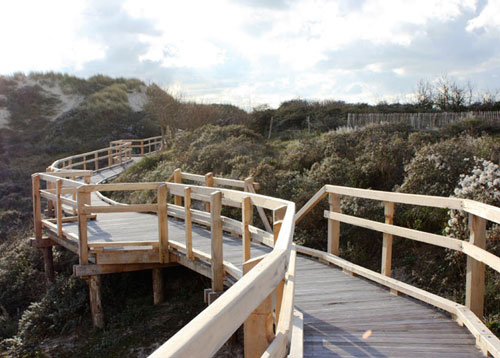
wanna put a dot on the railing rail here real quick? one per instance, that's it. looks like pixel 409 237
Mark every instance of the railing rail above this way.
pixel 477 256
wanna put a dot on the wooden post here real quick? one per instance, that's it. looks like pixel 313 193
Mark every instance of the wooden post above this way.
pixel 163 223
pixel 247 214
pixel 178 180
pixel 37 207
pixel 188 223
pixel 387 240
pixel 83 249
pixel 474 289
pixel 142 147
pixel 333 225
pixel 209 181
pixel 95 301
pixel 48 263
pixel 59 213
pixel 216 230
pixel 84 162
pixel 258 327
pixel 149 146
pixel 96 161
pixel 157 286
pixel 110 162
pixel 278 216
pixel 120 149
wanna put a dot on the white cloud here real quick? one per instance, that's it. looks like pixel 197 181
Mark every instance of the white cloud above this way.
pixel 488 19
pixel 43 35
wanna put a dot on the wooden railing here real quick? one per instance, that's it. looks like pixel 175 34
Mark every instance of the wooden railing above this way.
pixel 477 256
pixel 140 147
pixel 262 296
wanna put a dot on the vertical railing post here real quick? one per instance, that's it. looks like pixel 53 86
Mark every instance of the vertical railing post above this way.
pixel 178 180
pixel 278 216
pixel 247 213
pixel 83 198
pixel 120 154
pixel 209 181
pixel 96 161
pixel 188 223
pixel 387 240
pixel 37 206
pixel 142 147
pixel 110 162
pixel 84 162
pixel 216 231
pixel 333 225
pixel 474 289
pixel 163 223
pixel 59 213
pixel 258 328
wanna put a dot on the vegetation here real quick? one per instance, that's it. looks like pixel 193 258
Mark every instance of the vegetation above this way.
pixel 306 146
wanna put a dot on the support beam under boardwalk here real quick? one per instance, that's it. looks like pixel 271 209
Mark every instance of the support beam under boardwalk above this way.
pixel 158 296
pixel 95 301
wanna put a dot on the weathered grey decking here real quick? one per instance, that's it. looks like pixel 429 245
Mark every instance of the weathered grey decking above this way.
pixel 338 309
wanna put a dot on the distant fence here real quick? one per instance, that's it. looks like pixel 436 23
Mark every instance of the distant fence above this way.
pixel 419 120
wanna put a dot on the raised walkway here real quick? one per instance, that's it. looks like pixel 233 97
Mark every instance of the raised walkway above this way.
pixel 343 315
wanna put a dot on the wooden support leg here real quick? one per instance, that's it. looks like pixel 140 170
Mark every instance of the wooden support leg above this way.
pixel 48 263
pixel 95 301
pixel 157 286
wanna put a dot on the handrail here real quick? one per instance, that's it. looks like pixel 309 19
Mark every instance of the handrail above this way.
pixel 273 275
pixel 477 256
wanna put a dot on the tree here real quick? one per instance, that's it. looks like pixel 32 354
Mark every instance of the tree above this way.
pixel 166 109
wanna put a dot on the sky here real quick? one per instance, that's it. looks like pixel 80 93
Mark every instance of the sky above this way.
pixel 256 52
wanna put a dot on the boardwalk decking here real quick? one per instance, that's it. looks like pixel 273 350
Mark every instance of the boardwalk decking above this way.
pixel 339 310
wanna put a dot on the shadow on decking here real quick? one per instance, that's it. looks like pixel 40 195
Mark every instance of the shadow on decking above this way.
pixel 318 341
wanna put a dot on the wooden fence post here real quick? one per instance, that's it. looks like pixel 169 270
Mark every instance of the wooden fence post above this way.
pixel 157 286
pixel 59 212
pixel 278 216
pixel 474 289
pixel 83 249
pixel 95 301
pixel 209 181
pixel 247 213
pixel 333 225
pixel 37 206
pixel 178 180
pixel 387 240
pixel 258 327
pixel 110 162
pixel 96 161
pixel 216 230
pixel 163 223
pixel 188 223
pixel 142 147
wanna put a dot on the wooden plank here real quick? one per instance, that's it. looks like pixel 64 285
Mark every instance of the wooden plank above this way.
pixel 229 182
pixel 178 180
pixel 83 198
pixel 97 244
pixel 127 257
pixel 37 206
pixel 59 211
pixel 333 225
pixel 387 240
pixel 247 214
pixel 297 340
pixel 416 235
pixel 402 198
pixel 90 270
pixel 216 247
pixel 209 181
pixel 485 211
pixel 311 203
pixel 188 223
pixel 193 177
pixel 134 208
pixel 258 327
pixel 162 223
pixel 474 287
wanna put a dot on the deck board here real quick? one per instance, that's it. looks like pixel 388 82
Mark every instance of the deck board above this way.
pixel 338 309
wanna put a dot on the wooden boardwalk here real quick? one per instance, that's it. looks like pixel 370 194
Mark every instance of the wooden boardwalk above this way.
pixel 344 316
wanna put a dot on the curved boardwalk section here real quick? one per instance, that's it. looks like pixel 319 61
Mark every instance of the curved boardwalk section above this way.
pixel 311 304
